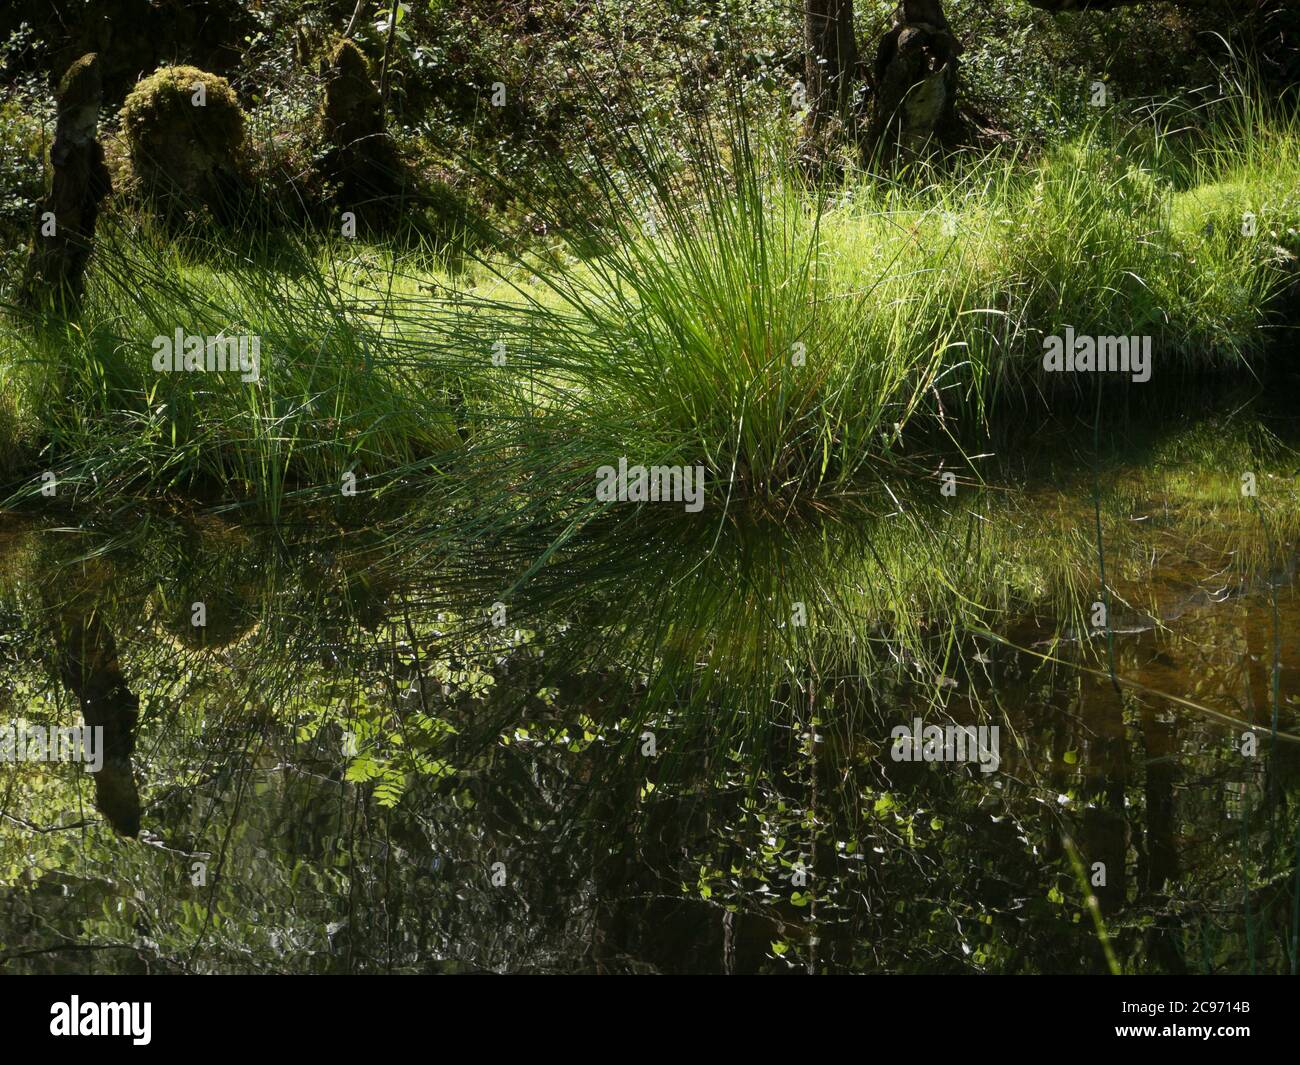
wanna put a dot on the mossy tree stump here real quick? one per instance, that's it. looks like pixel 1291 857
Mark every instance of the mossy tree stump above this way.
pixel 915 98
pixel 185 133
pixel 79 181
pixel 360 157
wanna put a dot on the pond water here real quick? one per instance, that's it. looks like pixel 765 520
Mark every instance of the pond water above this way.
pixel 668 744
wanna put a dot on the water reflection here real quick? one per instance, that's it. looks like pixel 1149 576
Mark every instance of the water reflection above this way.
pixel 664 747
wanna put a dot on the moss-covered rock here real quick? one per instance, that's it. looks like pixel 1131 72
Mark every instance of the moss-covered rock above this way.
pixel 185 134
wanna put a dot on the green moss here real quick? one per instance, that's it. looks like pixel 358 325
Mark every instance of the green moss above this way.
pixel 352 109
pixel 348 60
pixel 81 84
pixel 163 104
pixel 361 159
pixel 183 151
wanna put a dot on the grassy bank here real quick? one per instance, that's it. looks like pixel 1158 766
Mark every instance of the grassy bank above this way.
pixel 798 340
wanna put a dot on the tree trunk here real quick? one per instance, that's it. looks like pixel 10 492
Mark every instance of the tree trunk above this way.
pixel 915 82
pixel 830 62
pixel 65 217
pixel 88 664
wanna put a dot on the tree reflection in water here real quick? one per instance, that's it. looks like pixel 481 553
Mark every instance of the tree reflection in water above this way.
pixel 648 768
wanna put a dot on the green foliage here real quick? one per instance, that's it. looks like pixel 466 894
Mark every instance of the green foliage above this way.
pixel 26 129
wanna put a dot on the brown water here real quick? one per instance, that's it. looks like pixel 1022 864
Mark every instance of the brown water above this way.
pixel 350 768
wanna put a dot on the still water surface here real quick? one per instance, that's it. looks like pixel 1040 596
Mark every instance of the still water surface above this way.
pixel 668 749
